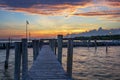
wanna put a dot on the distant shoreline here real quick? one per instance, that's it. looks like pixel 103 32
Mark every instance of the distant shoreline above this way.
pixel 76 44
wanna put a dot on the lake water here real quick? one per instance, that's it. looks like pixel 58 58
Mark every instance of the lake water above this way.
pixel 88 64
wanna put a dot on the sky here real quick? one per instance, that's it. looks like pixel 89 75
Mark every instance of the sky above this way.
pixel 48 18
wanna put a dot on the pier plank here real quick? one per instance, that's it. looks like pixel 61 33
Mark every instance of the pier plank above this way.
pixel 46 67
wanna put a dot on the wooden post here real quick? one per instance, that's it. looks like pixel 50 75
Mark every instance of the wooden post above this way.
pixel 3 45
pixel 7 55
pixel 55 46
pixel 106 47
pixel 70 58
pixel 35 48
pixel 17 61
pixel 41 44
pixel 52 44
pixel 88 43
pixel 24 59
pixel 60 37
pixel 95 42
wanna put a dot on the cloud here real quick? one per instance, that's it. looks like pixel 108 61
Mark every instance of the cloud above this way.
pixel 44 7
pixel 108 3
pixel 29 3
pixel 109 13
pixel 58 7
pixel 113 3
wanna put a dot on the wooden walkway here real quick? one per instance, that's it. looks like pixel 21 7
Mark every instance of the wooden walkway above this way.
pixel 46 67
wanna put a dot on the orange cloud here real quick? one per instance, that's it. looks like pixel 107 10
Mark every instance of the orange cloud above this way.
pixel 113 3
pixel 108 13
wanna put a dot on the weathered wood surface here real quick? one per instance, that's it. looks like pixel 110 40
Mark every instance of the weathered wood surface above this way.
pixel 46 67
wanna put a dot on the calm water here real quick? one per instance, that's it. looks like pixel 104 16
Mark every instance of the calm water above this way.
pixel 87 64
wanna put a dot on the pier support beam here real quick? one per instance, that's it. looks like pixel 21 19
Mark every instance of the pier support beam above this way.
pixel 7 55
pixel 88 43
pixel 70 58
pixel 60 37
pixel 55 46
pixel 24 59
pixel 95 42
pixel 18 50
pixel 41 44
pixel 106 47
pixel 35 48
pixel 52 44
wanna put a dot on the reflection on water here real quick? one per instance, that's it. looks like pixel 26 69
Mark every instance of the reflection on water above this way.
pixel 88 64
pixel 9 74
pixel 95 65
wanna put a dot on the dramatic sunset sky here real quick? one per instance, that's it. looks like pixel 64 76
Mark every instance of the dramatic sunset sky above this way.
pixel 51 17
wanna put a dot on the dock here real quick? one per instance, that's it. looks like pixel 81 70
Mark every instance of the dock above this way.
pixel 47 61
pixel 46 66
pixel 47 58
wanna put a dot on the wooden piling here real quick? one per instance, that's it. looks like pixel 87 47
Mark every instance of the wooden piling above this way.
pixel 7 55
pixel 55 46
pixel 88 43
pixel 95 42
pixel 17 60
pixel 3 45
pixel 24 59
pixel 51 44
pixel 40 44
pixel 60 37
pixel 35 49
pixel 70 57
pixel 106 47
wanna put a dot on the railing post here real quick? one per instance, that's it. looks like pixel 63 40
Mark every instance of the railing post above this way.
pixel 7 55
pixel 17 61
pixel 24 59
pixel 60 37
pixel 70 57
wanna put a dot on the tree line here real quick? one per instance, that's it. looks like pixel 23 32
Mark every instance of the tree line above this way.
pixel 104 37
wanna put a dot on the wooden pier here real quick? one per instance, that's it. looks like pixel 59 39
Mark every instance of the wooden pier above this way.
pixel 46 67
pixel 47 60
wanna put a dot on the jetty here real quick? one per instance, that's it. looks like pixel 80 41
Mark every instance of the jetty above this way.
pixel 47 60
